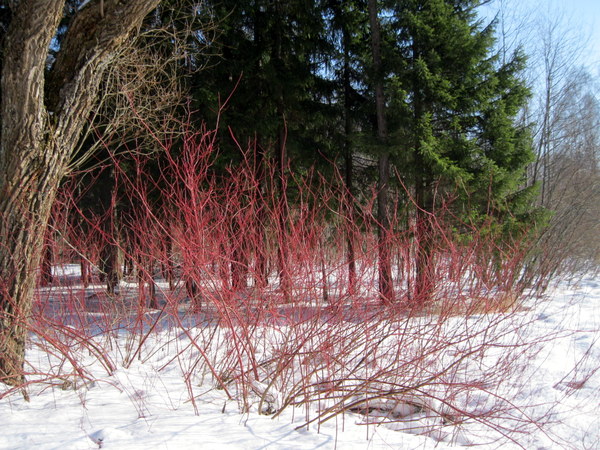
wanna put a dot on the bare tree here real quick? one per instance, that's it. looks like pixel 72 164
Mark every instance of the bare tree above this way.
pixel 565 111
pixel 571 176
pixel 557 54
pixel 144 87
pixel 44 108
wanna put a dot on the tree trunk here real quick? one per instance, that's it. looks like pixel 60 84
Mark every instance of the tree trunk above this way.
pixel 110 266
pixel 84 264
pixel 348 165
pixel 168 271
pixel 239 257
pixel 46 276
pixel 386 288
pixel 261 276
pixel 424 258
pixel 28 176
pixel 259 241
pixel 282 214
pixel 38 135
pixel 281 159
pixel 424 284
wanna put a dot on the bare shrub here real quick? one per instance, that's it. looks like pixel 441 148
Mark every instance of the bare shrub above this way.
pixel 203 243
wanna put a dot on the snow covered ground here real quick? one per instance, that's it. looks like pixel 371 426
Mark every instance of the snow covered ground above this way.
pixel 154 398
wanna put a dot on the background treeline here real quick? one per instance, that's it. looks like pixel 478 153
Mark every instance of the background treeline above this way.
pixel 413 108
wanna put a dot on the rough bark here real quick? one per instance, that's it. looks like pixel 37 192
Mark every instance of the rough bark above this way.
pixel 42 118
pixel 46 277
pixel 26 174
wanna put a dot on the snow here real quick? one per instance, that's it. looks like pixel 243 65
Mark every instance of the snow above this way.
pixel 127 395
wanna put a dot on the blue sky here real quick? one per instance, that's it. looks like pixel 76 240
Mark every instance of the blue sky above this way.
pixel 588 12
pixel 584 15
pixel 580 20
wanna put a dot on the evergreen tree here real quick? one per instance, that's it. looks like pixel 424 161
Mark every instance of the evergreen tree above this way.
pixel 348 25
pixel 386 289
pixel 267 63
pixel 301 79
pixel 455 109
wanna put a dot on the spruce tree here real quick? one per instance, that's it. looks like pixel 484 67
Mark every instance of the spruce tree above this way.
pixel 455 111
pixel 267 61
pixel 348 24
